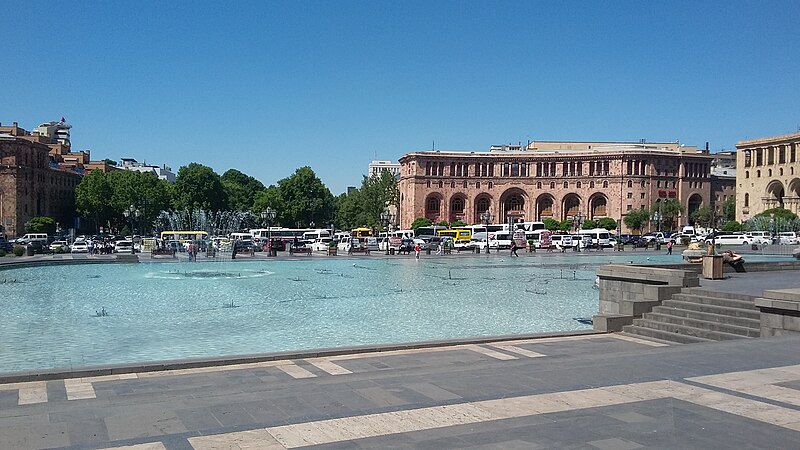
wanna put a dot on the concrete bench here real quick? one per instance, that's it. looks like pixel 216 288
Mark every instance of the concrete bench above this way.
pixel 353 250
pixel 300 250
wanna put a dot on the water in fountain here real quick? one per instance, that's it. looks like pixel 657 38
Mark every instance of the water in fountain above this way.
pixel 220 223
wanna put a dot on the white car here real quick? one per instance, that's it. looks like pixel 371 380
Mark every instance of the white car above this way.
pixel 80 247
pixel 731 239
pixel 59 244
pixel 123 247
pixel 788 238
pixel 321 244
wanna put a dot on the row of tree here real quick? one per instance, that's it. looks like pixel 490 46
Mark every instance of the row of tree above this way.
pixel 299 200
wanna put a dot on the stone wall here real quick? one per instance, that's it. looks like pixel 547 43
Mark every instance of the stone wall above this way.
pixel 780 312
pixel 628 291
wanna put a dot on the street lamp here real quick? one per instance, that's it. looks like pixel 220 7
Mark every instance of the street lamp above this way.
pixel 131 213
pixel 268 215
pixel 486 219
pixel 772 227
pixel 387 219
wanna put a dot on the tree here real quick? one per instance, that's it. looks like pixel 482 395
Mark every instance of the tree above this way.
pixel 420 222
pixel 551 224
pixel 703 216
pixel 110 162
pixel 458 223
pixel 93 197
pixel 41 225
pixel 729 209
pixel 608 223
pixel 268 198
pixel 145 192
pixel 241 189
pixel 778 213
pixel 732 225
pixel 636 219
pixel 670 209
pixel 199 188
pixel 378 193
pixel 305 199
pixel 443 223
pixel 589 224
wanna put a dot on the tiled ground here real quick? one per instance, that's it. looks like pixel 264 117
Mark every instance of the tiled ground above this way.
pixel 596 391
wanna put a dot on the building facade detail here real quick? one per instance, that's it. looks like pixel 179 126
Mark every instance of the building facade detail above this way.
pixel 378 166
pixel 768 175
pixel 558 180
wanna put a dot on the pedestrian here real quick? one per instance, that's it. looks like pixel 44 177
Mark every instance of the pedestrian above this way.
pixel 669 247
pixel 514 248
pixel 439 248
pixel 417 249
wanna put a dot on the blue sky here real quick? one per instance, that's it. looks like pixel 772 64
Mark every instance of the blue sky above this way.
pixel 267 87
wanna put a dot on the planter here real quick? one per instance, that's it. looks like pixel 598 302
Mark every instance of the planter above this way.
pixel 332 251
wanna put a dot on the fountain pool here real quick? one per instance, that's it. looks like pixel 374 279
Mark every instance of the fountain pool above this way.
pixel 68 317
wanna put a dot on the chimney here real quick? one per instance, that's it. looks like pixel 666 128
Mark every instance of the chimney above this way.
pixel 14 124
pixel 706 146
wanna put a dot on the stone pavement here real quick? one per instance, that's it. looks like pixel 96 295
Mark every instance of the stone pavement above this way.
pixel 591 391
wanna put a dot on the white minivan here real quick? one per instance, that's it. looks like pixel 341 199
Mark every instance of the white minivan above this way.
pixel 30 237
pixel 600 236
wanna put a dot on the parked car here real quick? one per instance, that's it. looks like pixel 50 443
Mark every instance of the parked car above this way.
pixel 788 237
pixel 421 242
pixel 321 244
pixel 731 238
pixel 55 245
pixel 80 246
pixel 125 246
pixel 406 246
pixel 36 247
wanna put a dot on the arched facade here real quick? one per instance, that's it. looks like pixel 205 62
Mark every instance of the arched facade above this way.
pixel 458 207
pixel 544 207
pixel 570 206
pixel 774 196
pixel 483 203
pixel 598 206
pixel 695 202
pixel 766 175
pixel 513 203
pixel 433 207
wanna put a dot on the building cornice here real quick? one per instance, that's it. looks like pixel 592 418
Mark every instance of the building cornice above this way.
pixel 769 140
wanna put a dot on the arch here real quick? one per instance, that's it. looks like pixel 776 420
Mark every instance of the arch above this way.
pixel 483 203
pixel 775 193
pixel 433 206
pixel 794 187
pixel 598 206
pixel 570 206
pixel 458 205
pixel 513 201
pixel 694 203
pixel 746 200
pixel 544 207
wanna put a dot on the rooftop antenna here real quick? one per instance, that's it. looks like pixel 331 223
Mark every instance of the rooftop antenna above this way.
pixel 433 146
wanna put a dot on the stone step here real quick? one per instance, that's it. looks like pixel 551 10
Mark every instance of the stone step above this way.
pixel 709 293
pixel 718 301
pixel 662 335
pixel 715 309
pixel 703 324
pixel 711 317
pixel 686 330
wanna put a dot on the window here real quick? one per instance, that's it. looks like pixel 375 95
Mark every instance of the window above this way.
pixel 759 157
pixel 465 184
pixel 747 160
pixel 769 171
pixel 514 169
pixel 441 185
pixel 605 184
pixel 578 185
pixel 433 205
pixel 642 195
pixel 539 185
pixel 630 183
pixel 591 184
pixel 491 184
pixel 630 194
pixel 746 200
pixel 629 208
pixel 552 185
pixel 758 173
pixel 566 185
pixel 747 174
pixel 477 184
pixel 781 171
pixel 452 185
pixel 658 183
pixel 771 155
pixel 644 183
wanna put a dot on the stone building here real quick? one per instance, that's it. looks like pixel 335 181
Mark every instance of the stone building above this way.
pixel 31 185
pixel 768 175
pixel 558 180
pixel 377 166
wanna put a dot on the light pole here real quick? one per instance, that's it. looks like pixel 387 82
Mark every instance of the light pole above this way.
pixel 131 213
pixel 387 219
pixel 772 227
pixel 269 215
pixel 486 219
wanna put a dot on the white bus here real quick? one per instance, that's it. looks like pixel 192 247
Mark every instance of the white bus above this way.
pixel 600 236
pixel 313 235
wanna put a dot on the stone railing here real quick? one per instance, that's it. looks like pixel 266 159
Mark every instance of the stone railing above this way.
pixel 780 312
pixel 628 291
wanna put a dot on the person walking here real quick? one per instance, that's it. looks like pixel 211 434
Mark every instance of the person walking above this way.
pixel 669 247
pixel 417 249
pixel 514 248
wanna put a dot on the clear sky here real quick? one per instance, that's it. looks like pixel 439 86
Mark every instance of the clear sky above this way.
pixel 267 86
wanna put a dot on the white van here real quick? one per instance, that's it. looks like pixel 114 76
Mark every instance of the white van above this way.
pixel 30 237
pixel 500 240
pixel 788 237
pixel 600 237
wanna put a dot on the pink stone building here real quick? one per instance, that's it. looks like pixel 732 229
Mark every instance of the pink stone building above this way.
pixel 558 180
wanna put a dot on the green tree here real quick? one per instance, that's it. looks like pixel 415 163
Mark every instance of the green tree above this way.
pixel 565 225
pixel 670 209
pixel 241 189
pixel 703 216
pixel 420 222
pixel 636 219
pixel 268 198
pixel 458 223
pixel 551 224
pixel 589 224
pixel 41 225
pixel 377 193
pixel 443 223
pixel 93 197
pixel 349 213
pixel 732 225
pixel 305 199
pixel 778 213
pixel 608 223
pixel 729 209
pixel 199 188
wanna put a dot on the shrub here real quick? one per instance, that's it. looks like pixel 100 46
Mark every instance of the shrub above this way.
pixel 58 250
pixel 18 250
pixel 685 240
pixel 2 253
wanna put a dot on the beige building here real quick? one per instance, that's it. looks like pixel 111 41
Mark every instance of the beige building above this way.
pixel 558 180
pixel 768 175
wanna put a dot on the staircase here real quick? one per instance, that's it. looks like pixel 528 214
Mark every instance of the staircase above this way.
pixel 698 315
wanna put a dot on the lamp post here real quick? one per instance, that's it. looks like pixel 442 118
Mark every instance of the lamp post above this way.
pixel 486 219
pixel 269 215
pixel 387 219
pixel 772 227
pixel 131 213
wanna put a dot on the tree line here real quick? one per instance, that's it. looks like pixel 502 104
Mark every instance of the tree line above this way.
pixel 299 200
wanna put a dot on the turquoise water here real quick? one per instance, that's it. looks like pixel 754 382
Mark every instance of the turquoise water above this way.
pixel 82 315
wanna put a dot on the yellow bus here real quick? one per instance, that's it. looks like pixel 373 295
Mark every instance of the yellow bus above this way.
pixel 459 235
pixel 183 236
pixel 361 232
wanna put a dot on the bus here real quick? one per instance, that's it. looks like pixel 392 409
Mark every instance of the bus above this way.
pixel 530 226
pixel 264 233
pixel 361 232
pixel 460 236
pixel 429 230
pixel 184 236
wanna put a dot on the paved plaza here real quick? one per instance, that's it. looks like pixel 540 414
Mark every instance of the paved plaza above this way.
pixel 590 391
